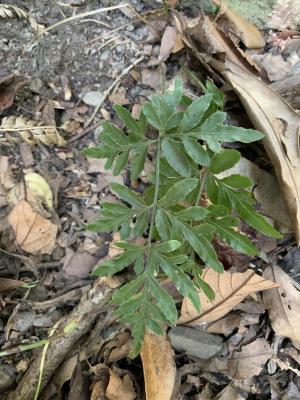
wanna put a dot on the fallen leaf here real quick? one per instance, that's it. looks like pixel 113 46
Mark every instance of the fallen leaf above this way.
pixel 6 175
pixel 119 97
pixel 266 191
pixel 151 77
pixel 248 362
pixel 78 264
pixel 229 393
pixel 119 388
pixel 274 65
pixel 271 115
pixel 37 193
pixel 283 304
pixel 30 131
pixel 168 42
pixel 159 367
pixel 248 33
pixel 9 284
pixel 9 86
pixel 230 289
pixel 34 233
pixel 226 325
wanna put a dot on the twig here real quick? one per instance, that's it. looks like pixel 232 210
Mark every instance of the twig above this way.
pixel 83 15
pixel 82 319
pixel 111 87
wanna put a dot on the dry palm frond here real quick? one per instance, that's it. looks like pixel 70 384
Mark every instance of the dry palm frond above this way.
pixel 11 11
pixel 31 132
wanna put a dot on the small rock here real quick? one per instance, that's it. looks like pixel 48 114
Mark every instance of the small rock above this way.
pixel 194 342
pixel 24 321
pixel 92 98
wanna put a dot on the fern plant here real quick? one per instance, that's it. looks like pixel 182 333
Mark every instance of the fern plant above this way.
pixel 185 147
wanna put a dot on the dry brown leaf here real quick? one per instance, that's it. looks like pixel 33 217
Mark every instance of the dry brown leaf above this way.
pixel 230 289
pixel 9 86
pixel 248 33
pixel 283 305
pixel 225 325
pixel 271 115
pixel 119 388
pixel 34 233
pixel 159 367
pixel 31 132
pixel 9 284
pixel 246 363
pixel 6 175
pixel 168 42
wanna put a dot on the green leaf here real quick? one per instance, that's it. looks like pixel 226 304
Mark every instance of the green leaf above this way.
pixel 216 210
pixel 128 290
pixel 212 189
pixel 121 162
pixel 152 117
pixel 162 224
pixel 110 131
pixel 116 264
pixel 154 327
pixel 98 152
pixel 173 98
pixel 138 333
pixel 138 162
pixel 141 224
pixel 195 213
pixel 194 113
pixel 257 221
pixel 176 157
pixel 236 240
pixel 182 282
pixel 128 195
pixel 130 123
pixel 196 151
pixel 207 290
pixel 125 230
pixel 114 208
pixel 167 247
pixel 178 192
pixel 237 181
pixel 139 264
pixel 213 129
pixel 225 160
pixel 164 301
pixel 206 230
pixel 203 248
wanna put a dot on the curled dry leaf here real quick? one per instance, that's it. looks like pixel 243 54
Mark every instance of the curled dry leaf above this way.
pixel 248 33
pixel 230 289
pixel 34 233
pixel 31 132
pixel 159 367
pixel 271 115
pixel 9 284
pixel 120 388
pixel 170 43
pixel 283 304
pixel 9 86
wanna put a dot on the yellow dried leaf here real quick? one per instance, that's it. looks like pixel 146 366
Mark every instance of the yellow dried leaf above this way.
pixel 34 233
pixel 159 367
pixel 230 289
pixel 37 191
pixel 31 132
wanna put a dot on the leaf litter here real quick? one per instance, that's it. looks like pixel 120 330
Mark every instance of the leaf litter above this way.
pixel 47 231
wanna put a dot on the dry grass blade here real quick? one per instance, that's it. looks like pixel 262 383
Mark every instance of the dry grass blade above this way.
pixel 31 132
pixel 271 115
pixel 11 11
pixel 230 289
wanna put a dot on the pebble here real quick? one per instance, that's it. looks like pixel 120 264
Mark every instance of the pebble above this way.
pixel 194 342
